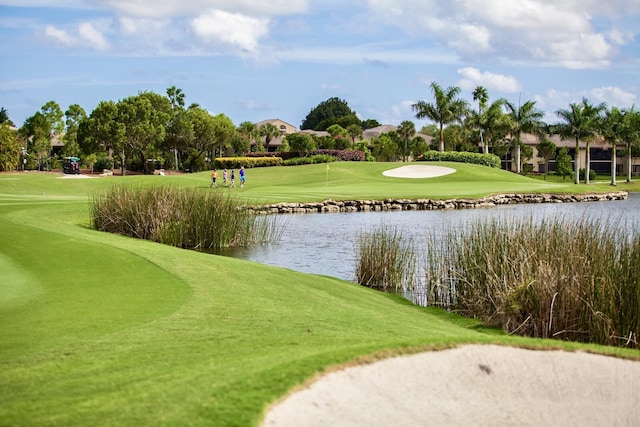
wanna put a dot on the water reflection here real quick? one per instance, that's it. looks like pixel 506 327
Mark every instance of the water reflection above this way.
pixel 326 243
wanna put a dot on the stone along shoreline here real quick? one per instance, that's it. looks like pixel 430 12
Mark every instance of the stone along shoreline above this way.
pixel 329 206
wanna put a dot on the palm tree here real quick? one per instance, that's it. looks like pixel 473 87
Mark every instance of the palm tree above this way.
pixel 481 95
pixel 446 109
pixel 631 134
pixel 613 131
pixel 406 131
pixel 580 123
pixel 269 131
pixel 525 118
pixel 176 97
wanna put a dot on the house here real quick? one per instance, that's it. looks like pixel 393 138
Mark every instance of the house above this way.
pixel 284 128
pixel 600 154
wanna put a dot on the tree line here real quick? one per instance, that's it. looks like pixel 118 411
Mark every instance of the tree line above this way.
pixel 149 129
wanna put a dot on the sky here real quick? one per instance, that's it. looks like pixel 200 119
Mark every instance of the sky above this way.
pixel 254 60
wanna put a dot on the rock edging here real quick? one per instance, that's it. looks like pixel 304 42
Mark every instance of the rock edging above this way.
pixel 328 206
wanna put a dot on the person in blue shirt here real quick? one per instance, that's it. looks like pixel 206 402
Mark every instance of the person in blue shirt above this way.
pixel 242 177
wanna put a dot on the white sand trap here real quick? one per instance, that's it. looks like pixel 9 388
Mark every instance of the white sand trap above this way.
pixel 418 171
pixel 473 385
pixel 74 176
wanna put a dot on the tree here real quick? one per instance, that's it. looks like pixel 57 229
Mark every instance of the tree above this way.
pixel 546 150
pixel 4 117
pixel 332 111
pixel 74 115
pixel 563 163
pixel 406 131
pixel 581 122
pixel 269 131
pixel 300 142
pixel 54 115
pixel 613 130
pixel 180 131
pixel 10 148
pixel 247 133
pixel 36 131
pixel 211 133
pixel 179 134
pixel 631 135
pixel 355 132
pixel 340 136
pixel 448 108
pixel 481 95
pixel 102 130
pixel 385 147
pixel 369 124
pixel 145 117
pixel 524 118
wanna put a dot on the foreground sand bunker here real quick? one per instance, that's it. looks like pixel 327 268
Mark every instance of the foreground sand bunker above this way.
pixel 471 385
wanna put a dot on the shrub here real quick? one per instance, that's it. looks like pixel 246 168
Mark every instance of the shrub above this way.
pixel 247 162
pixel 342 155
pixel 319 158
pixel 103 163
pixel 592 174
pixel 490 160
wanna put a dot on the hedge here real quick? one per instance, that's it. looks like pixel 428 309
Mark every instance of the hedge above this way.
pixel 247 162
pixel 490 160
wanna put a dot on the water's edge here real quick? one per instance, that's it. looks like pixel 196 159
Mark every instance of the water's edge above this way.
pixel 328 206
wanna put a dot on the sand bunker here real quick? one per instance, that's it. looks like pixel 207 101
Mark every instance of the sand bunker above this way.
pixel 471 385
pixel 418 171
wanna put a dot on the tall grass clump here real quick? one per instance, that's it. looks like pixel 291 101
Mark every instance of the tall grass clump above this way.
pixel 386 260
pixel 182 217
pixel 558 278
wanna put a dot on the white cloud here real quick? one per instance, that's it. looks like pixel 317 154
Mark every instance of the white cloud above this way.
pixel 88 33
pixel 613 96
pixel 232 29
pixel 572 33
pixel 60 36
pixel 472 78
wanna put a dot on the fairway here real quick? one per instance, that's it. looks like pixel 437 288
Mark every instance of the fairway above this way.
pixel 100 329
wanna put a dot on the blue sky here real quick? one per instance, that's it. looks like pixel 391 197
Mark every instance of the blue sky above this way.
pixel 256 60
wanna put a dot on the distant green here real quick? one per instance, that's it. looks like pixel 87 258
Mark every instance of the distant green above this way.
pixel 100 329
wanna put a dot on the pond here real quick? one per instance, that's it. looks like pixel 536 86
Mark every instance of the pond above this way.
pixel 325 243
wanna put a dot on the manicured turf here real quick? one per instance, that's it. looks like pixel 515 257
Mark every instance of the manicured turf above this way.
pixel 99 329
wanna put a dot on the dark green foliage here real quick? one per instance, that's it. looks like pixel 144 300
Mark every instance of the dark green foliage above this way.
pixel 592 174
pixel 490 160
pixel 329 112
pixel 247 162
pixel 563 163
pixel 318 158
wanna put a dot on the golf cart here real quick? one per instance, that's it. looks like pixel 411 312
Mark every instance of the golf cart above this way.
pixel 71 165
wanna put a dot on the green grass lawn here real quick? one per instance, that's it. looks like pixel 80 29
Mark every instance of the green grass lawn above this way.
pixel 99 329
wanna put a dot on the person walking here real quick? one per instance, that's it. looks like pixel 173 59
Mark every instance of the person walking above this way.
pixel 242 177
pixel 224 177
pixel 233 178
pixel 214 177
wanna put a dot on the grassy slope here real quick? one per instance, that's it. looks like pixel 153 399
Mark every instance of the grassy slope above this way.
pixel 101 329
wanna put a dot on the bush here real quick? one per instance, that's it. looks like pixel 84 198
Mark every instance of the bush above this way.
pixel 342 155
pixel 247 162
pixel 103 163
pixel 319 158
pixel 592 174
pixel 490 160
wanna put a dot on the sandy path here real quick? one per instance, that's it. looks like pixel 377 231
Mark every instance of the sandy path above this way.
pixel 473 385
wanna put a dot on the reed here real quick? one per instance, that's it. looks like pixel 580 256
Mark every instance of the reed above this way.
pixel 559 278
pixel 182 217
pixel 386 260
